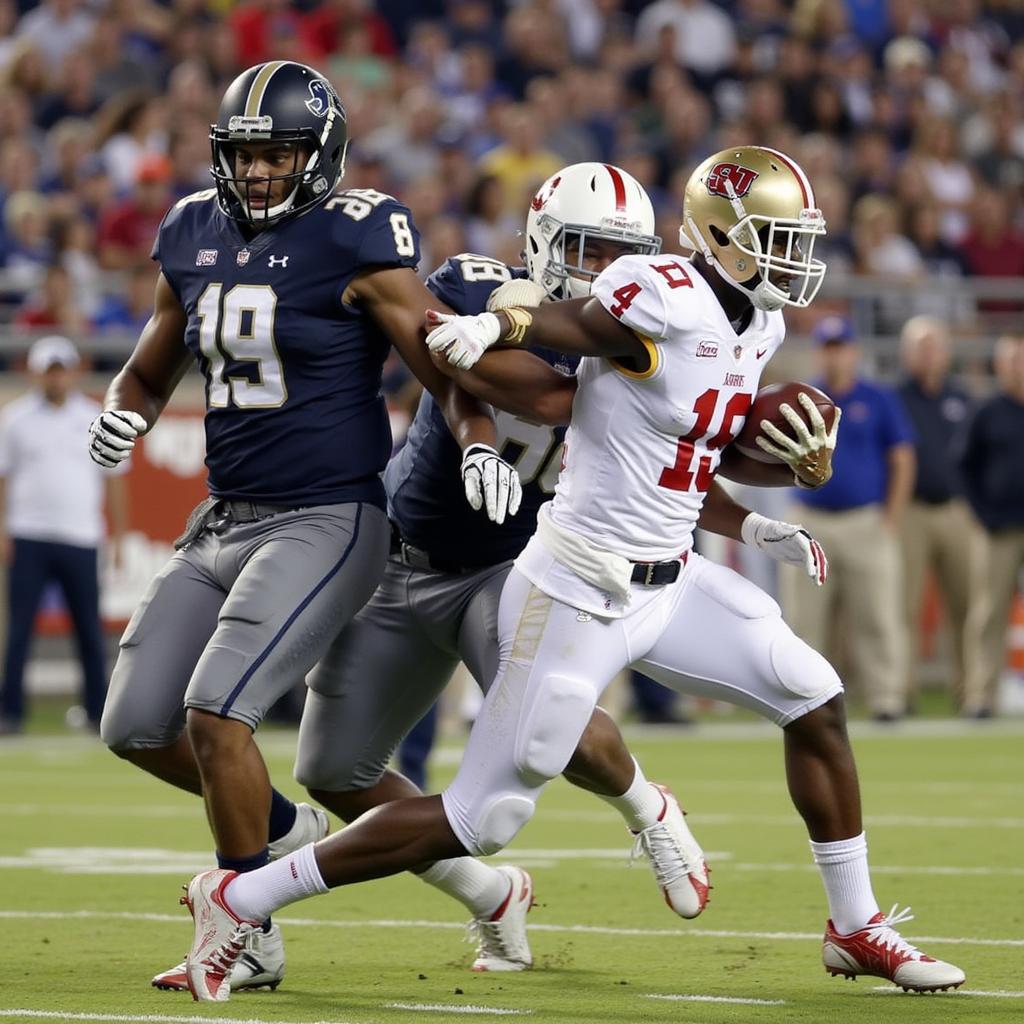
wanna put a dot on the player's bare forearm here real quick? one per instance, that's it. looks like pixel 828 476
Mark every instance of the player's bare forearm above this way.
pixel 721 513
pixel 579 326
pixel 742 469
pixel 517 382
pixel 902 470
pixel 159 360
pixel 396 298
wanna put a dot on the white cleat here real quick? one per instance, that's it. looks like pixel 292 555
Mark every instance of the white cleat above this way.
pixel 879 950
pixel 676 858
pixel 220 937
pixel 259 965
pixel 311 825
pixel 502 944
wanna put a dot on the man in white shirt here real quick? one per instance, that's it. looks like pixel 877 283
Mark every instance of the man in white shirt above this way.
pixel 53 495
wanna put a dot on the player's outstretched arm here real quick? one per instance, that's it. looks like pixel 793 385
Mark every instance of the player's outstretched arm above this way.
pixel 395 298
pixel 517 382
pixel 138 394
pixel 578 326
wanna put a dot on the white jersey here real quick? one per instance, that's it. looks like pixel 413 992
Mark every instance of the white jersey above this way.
pixel 642 448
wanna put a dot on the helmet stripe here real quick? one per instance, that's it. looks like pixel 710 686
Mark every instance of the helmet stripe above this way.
pixel 805 185
pixel 259 86
pixel 620 187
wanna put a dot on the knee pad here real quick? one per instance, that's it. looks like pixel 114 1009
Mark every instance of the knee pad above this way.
pixel 800 669
pixel 500 821
pixel 552 728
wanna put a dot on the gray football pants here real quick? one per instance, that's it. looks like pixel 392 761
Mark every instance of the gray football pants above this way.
pixel 389 665
pixel 239 616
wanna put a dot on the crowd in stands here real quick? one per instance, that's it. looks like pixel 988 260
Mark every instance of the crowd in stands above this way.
pixel 907 115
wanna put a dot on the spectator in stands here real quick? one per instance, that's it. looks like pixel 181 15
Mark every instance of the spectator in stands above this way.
pixel 993 246
pixel 52 305
pixel 127 230
pixel 705 39
pixel 938 526
pixel 27 241
pixel 74 239
pixel 520 163
pixel 993 470
pixel 129 128
pixel 74 93
pixel 857 516
pixel 54 496
pixel 57 28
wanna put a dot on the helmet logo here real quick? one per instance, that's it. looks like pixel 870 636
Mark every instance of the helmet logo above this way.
pixel 741 179
pixel 319 101
pixel 540 200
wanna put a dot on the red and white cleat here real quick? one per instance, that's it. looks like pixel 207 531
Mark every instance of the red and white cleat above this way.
pixel 260 965
pixel 219 940
pixel 502 944
pixel 676 858
pixel 878 949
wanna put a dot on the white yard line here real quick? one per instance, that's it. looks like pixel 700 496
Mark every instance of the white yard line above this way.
pixel 561 929
pixel 718 999
pixel 699 819
pixel 457 1008
pixel 892 990
pixel 148 1018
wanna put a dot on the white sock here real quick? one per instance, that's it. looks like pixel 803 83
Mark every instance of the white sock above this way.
pixel 844 871
pixel 477 886
pixel 641 805
pixel 257 894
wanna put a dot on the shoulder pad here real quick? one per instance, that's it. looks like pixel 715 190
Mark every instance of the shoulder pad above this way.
pixel 182 213
pixel 375 227
pixel 465 282
pixel 643 292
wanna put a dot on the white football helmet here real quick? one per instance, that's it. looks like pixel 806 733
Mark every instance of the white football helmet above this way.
pixel 581 202
pixel 751 212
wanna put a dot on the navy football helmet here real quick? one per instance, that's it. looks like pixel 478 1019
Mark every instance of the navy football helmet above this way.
pixel 279 101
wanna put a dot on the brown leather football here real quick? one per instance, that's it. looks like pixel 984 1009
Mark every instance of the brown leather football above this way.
pixel 766 407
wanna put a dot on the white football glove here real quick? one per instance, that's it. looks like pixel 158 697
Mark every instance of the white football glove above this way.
pixel 809 455
pixel 462 339
pixel 112 436
pixel 520 291
pixel 490 482
pixel 786 542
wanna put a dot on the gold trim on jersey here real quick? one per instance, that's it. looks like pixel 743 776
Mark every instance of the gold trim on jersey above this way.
pixel 259 87
pixel 652 354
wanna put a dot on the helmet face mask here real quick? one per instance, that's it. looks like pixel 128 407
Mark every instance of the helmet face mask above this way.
pixel 271 108
pixel 572 244
pixel 751 213
pixel 578 211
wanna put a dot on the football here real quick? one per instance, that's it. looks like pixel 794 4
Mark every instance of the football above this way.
pixel 766 407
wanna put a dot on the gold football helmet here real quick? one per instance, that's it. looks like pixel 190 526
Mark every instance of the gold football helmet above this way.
pixel 750 211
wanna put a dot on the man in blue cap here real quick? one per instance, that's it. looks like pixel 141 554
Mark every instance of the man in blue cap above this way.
pixel 857 517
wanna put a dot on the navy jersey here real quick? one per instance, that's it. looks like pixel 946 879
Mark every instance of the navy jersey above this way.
pixel 425 492
pixel 294 409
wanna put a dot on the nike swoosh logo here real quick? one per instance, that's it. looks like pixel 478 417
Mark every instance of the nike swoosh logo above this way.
pixel 761 352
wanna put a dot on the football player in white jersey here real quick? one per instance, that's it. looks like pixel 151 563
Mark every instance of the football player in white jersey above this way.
pixel 673 351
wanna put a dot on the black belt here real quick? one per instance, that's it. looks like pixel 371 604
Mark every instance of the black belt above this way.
pixel 417 558
pixel 659 574
pixel 249 511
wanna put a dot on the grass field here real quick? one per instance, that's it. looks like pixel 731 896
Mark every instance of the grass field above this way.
pixel 92 855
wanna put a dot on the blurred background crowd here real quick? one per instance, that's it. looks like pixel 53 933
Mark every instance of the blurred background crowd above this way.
pixel 906 115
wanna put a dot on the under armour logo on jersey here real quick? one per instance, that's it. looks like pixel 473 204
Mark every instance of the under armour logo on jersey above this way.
pixel 741 178
pixel 206 257
pixel 277 261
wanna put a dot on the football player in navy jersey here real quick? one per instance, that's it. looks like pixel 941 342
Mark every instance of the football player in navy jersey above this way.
pixel 288 293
